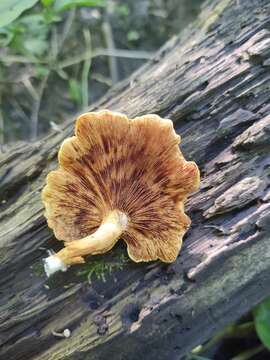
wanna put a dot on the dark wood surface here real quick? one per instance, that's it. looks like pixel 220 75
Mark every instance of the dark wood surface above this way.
pixel 213 81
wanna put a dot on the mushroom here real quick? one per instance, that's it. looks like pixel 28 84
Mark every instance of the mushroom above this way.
pixel 119 177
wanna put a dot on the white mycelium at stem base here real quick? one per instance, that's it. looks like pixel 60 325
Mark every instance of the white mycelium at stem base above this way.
pixel 101 241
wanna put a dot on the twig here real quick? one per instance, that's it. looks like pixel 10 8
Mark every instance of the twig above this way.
pixel 128 54
pixel 67 26
pixel 109 41
pixel 122 53
pixel 101 78
pixel 21 59
pixel 54 45
pixel 30 88
pixel 19 110
pixel 86 68
pixel 36 107
pixel 1 125
pixel 58 45
pixel 38 99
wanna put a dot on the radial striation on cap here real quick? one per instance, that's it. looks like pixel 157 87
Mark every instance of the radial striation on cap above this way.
pixel 133 166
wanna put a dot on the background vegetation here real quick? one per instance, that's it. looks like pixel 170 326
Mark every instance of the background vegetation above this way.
pixel 57 56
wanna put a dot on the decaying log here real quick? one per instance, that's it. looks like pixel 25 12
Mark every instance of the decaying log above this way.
pixel 213 81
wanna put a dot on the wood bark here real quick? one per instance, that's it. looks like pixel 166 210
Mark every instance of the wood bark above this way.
pixel 213 81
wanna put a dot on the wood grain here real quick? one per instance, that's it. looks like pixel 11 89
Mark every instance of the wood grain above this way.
pixel 213 81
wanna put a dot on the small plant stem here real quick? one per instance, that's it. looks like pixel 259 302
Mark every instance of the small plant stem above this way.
pixel 86 69
pixel 123 53
pixel 2 139
pixel 248 354
pixel 55 50
pixel 36 108
pixel 230 331
pixel 109 41
pixel 67 26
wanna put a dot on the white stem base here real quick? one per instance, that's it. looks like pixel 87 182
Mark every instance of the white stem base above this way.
pixel 53 264
pixel 101 241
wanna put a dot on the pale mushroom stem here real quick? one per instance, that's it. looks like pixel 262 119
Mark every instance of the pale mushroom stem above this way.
pixel 110 230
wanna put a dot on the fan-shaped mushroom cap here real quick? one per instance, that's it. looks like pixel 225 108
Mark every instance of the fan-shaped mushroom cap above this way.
pixel 131 165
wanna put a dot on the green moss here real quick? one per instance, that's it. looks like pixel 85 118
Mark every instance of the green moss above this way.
pixel 38 268
pixel 101 269
pixel 216 13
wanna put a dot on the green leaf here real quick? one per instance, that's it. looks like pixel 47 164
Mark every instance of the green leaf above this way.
pixel 11 9
pixel 47 3
pixel 32 21
pixel 6 37
pixel 62 5
pixel 35 46
pixel 50 16
pixel 122 9
pixel 75 91
pixel 41 71
pixel 262 322
pixel 133 35
pixel 30 35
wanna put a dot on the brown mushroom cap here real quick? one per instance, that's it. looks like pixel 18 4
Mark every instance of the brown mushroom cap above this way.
pixel 132 165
